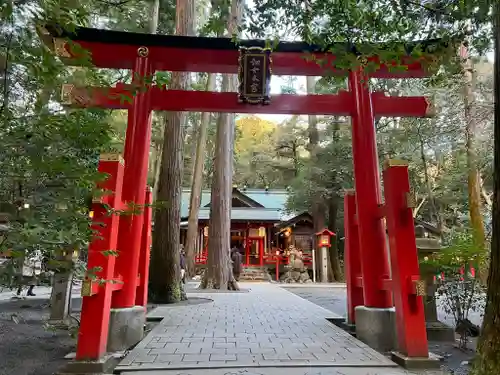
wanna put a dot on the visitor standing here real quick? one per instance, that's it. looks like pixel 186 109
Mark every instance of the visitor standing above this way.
pixel 183 265
pixel 236 259
pixel 31 270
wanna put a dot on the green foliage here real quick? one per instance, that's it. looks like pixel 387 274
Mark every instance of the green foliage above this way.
pixel 359 22
pixel 134 15
pixel 217 21
pixel 329 174
pixel 459 253
pixel 459 292
pixel 49 155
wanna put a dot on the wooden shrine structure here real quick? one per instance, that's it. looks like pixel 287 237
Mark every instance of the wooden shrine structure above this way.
pixel 371 280
pixel 260 226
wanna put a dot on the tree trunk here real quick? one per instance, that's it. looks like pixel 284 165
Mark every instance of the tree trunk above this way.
pixel 155 15
pixel 296 159
pixel 312 119
pixel 318 207
pixel 434 214
pixel 166 285
pixel 155 161
pixel 219 272
pixel 488 357
pixel 474 190
pixel 196 187
pixel 157 157
pixel 333 208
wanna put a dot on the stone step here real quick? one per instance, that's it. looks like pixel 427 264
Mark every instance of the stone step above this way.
pixel 254 274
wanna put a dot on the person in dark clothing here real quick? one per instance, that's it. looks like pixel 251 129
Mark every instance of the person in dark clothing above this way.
pixel 30 290
pixel 183 266
pixel 31 270
pixel 236 258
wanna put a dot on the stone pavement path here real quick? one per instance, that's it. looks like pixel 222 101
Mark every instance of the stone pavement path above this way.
pixel 289 371
pixel 267 327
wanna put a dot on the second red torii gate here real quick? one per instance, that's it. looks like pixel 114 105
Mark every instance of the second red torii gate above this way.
pixel 146 54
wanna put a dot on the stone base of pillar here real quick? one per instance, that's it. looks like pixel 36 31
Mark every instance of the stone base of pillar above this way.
pixel 377 328
pixel 126 328
pixel 437 331
pixel 432 362
pixel 104 365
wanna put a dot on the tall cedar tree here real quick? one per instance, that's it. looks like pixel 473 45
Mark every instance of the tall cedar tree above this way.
pixel 219 274
pixel 165 284
pixel 488 357
pixel 196 186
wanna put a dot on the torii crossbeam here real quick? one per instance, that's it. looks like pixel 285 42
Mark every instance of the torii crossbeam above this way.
pixel 341 104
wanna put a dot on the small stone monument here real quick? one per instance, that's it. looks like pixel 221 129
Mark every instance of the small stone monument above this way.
pixel 62 282
pixel 297 272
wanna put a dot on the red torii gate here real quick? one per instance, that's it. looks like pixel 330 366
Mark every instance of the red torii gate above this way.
pixel 144 54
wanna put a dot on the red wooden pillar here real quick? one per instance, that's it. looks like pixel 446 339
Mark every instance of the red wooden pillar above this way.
pixel 352 256
pixel 261 251
pixel 141 298
pixel 374 259
pixel 277 267
pixel 407 288
pixel 135 178
pixel 248 244
pixel 129 135
pixel 94 325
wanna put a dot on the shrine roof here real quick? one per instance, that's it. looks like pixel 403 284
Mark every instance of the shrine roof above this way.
pixel 247 214
pixel 272 204
pixel 303 217
pixel 430 227
pixel 223 44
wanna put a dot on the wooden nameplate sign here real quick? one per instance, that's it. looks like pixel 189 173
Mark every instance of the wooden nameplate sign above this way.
pixel 254 74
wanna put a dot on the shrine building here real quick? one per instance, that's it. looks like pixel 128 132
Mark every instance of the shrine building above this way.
pixel 260 225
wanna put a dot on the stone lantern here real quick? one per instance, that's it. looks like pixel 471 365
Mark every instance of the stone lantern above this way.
pixel 62 281
pixel 428 246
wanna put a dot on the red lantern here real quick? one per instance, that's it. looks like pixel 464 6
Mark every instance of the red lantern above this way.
pixel 324 237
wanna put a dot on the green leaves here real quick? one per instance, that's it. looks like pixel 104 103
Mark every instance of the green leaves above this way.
pixel 6 9
pixel 361 22
pixel 107 253
pixel 458 253
pixel 49 156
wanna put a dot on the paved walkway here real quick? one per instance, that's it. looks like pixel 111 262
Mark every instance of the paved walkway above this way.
pixel 334 298
pixel 289 371
pixel 267 327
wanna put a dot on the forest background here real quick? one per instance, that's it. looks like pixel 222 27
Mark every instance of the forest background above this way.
pixel 449 155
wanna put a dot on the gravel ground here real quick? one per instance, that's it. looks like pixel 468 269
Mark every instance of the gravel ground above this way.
pixel 334 299
pixel 27 346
